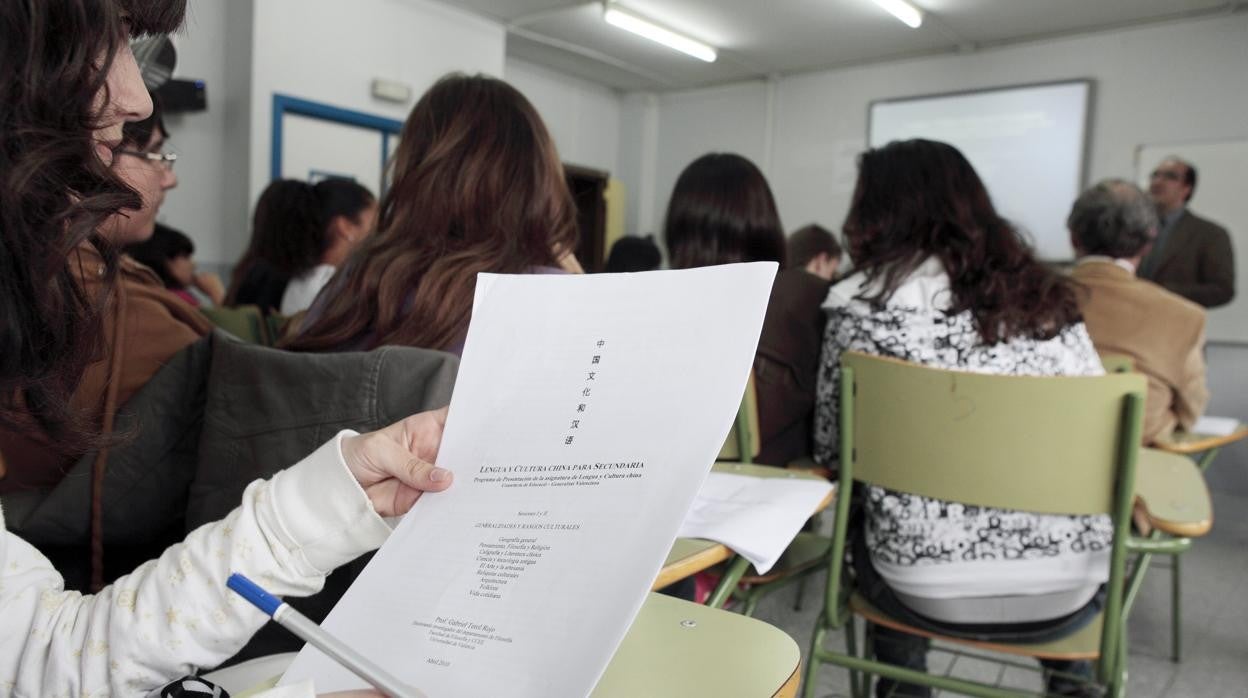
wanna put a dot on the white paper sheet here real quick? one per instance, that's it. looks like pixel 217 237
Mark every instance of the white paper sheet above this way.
pixel 586 414
pixel 1215 426
pixel 755 516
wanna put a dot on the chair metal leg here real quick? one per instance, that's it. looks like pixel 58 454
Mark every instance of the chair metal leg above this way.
pixel 851 648
pixel 728 583
pixel 801 591
pixel 868 652
pixel 813 662
pixel 1176 615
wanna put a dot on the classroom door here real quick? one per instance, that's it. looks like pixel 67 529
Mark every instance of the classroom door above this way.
pixel 313 141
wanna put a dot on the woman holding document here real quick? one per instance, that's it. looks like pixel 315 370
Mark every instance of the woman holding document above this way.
pixel 67 93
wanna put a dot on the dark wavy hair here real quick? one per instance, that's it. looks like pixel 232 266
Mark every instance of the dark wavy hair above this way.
pixel 288 229
pixel 477 186
pixel 722 211
pixel 920 199
pixel 54 194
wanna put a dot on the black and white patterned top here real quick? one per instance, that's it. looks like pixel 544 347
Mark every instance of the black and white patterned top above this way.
pixel 932 548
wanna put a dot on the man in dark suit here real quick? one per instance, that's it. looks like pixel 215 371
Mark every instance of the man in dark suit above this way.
pixel 1191 256
pixel 787 362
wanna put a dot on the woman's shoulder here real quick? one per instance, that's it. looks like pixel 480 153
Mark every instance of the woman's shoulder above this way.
pixel 924 289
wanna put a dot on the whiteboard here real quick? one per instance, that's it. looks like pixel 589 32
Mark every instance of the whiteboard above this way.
pixel 1026 143
pixel 1222 169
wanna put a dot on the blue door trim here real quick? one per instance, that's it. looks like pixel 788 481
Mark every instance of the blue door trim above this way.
pixel 285 104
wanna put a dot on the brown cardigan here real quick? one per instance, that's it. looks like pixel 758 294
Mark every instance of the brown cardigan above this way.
pixel 1163 333
pixel 157 324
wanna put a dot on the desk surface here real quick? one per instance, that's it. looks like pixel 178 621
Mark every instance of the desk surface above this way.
pixel 692 555
pixel 678 648
pixel 1188 443
pixel 1172 491
pixel 673 648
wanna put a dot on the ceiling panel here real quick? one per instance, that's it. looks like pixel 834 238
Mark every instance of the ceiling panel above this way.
pixel 991 21
pixel 584 26
pixel 761 37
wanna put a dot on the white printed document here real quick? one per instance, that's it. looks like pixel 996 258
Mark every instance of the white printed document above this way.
pixel 755 516
pixel 586 414
pixel 1215 426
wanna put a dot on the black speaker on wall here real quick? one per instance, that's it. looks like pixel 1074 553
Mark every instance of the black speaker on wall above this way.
pixel 183 95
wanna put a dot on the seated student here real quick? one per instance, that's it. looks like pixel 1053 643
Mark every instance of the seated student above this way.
pixel 1111 226
pixel 143 326
pixel 722 211
pixel 348 213
pixel 286 235
pixel 632 253
pixel 942 280
pixel 814 248
pixel 168 253
pixel 175 614
pixel 477 187
pixel 785 370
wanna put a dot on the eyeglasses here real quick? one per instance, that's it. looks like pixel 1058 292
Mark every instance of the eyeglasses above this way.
pixel 165 160
pixel 1167 174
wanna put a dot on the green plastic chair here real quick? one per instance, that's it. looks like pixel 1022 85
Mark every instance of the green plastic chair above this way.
pixel 806 555
pixel 1071 443
pixel 1117 363
pixel 247 323
pixel 743 442
pixel 1207 450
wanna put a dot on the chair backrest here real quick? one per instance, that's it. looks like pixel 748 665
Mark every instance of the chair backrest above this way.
pixel 1040 444
pixel 245 322
pixel 1117 363
pixel 743 442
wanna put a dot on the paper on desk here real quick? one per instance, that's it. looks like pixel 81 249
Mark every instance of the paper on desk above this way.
pixel 586 413
pixel 1215 426
pixel 755 516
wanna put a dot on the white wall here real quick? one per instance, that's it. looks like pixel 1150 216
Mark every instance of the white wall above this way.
pixel 1171 82
pixel 323 50
pixel 329 51
pixel 196 206
pixel 583 117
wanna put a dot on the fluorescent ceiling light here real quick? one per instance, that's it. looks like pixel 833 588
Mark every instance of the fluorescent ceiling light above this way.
pixel 904 11
pixel 655 33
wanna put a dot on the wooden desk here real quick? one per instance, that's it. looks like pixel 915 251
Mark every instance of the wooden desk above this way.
pixel 1172 493
pixel 1207 445
pixel 674 648
pixel 692 555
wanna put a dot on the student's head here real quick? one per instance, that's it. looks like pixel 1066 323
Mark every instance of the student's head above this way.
pixel 721 212
pixel 631 253
pixel 476 186
pixel 168 253
pixel 348 213
pixel 920 199
pixel 297 226
pixel 815 249
pixel 1172 184
pixel 1113 218
pixel 142 164
pixel 70 84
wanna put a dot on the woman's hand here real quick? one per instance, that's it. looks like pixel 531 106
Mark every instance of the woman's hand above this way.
pixel 395 465
pixel 211 286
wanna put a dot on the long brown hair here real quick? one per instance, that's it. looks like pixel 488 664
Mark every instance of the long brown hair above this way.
pixel 477 186
pixel 919 199
pixel 54 194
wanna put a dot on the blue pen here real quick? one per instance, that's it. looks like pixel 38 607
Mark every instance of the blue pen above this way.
pixel 314 635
